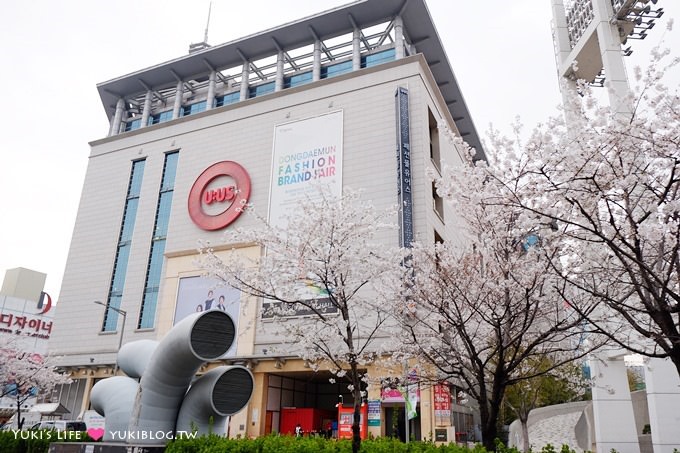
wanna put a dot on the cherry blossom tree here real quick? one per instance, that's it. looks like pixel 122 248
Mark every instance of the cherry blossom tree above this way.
pixel 24 373
pixel 478 311
pixel 610 182
pixel 330 263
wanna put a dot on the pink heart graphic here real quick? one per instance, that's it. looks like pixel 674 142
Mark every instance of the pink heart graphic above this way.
pixel 95 433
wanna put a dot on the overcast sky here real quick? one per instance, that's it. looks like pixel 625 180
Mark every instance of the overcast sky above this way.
pixel 55 52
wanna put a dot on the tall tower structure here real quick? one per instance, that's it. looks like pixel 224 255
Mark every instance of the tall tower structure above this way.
pixel 592 37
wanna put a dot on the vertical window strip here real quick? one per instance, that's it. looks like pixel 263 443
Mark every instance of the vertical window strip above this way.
pixel 147 313
pixel 123 250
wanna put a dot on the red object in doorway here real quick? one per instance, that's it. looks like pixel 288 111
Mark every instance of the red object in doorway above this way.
pixel 345 418
pixel 310 419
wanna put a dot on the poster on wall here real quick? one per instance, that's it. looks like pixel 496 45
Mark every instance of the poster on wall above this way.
pixel 373 412
pixel 197 294
pixel 306 153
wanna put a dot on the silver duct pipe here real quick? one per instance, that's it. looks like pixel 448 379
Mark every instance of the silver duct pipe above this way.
pixel 113 399
pixel 213 397
pixel 198 338
pixel 133 357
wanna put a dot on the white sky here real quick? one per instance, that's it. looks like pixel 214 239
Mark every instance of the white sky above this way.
pixel 54 54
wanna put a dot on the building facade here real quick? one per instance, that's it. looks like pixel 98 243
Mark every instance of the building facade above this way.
pixel 26 322
pixel 360 88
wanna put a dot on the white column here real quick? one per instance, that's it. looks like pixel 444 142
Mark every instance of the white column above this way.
pixel 612 406
pixel 612 58
pixel 356 49
pixel 244 81
pixel 177 106
pixel 210 101
pixel 147 109
pixel 663 399
pixel 398 38
pixel 562 50
pixel 316 71
pixel 117 117
pixel 278 86
pixel 561 32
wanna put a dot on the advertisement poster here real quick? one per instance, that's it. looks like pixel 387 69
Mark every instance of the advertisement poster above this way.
pixel 373 412
pixel 442 405
pixel 306 153
pixel 196 294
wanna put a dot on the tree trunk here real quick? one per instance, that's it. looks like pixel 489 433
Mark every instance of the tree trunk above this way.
pixel 489 434
pixel 20 422
pixel 525 434
pixel 490 425
pixel 356 392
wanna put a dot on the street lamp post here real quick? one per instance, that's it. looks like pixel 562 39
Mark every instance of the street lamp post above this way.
pixel 122 330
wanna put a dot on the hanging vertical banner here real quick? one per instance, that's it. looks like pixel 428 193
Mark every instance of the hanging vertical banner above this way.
pixel 442 405
pixel 306 152
pixel 404 169
pixel 412 393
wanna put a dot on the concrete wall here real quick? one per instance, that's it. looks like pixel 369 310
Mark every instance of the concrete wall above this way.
pixel 640 410
pixel 542 413
pixel 242 132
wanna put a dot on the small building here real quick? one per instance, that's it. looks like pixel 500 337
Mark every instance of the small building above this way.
pixel 26 320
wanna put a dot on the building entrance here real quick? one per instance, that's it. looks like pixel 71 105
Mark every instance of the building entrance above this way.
pixel 394 423
pixel 307 398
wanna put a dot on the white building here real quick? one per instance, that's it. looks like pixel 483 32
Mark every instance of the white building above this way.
pixel 335 79
pixel 26 322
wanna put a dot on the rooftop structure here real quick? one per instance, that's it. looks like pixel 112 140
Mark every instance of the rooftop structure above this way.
pixel 321 46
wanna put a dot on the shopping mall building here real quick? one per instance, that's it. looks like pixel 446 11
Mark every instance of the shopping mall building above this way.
pixel 353 95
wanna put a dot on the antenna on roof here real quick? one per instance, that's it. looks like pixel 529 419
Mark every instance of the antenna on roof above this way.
pixel 204 44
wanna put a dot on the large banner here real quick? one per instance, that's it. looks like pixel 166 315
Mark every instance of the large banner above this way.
pixel 306 152
pixel 404 169
pixel 442 404
pixel 196 294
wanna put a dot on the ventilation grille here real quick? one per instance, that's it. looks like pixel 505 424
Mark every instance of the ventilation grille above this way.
pixel 212 335
pixel 232 391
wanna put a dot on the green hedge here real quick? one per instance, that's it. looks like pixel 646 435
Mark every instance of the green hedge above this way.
pixel 289 444
pixel 39 441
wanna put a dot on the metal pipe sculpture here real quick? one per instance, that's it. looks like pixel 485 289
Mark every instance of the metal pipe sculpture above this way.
pixel 167 369
pixel 215 396
pixel 133 357
pixel 114 398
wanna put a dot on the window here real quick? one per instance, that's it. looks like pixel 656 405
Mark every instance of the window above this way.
pixel 435 155
pixel 160 117
pixel 124 243
pixel 132 124
pixel 377 58
pixel 297 79
pixel 437 202
pixel 336 69
pixel 193 109
pixel 153 270
pixel 229 98
pixel 259 90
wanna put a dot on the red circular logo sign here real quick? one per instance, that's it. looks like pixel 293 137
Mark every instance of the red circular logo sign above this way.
pixel 233 196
